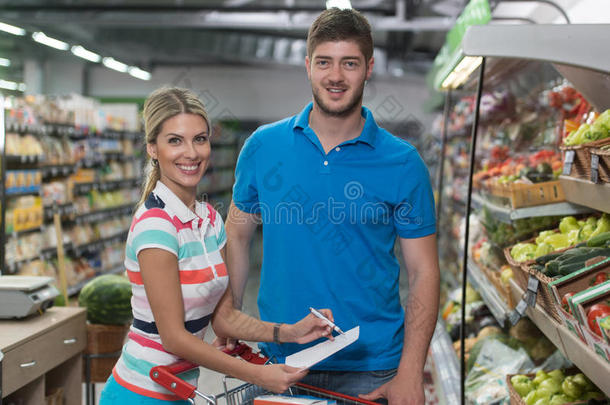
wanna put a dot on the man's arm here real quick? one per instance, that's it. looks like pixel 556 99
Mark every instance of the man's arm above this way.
pixel 240 227
pixel 421 259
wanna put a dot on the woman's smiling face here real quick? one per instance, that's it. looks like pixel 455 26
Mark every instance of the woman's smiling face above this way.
pixel 183 151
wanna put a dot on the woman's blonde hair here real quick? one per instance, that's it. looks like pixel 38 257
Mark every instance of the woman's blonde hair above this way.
pixel 161 105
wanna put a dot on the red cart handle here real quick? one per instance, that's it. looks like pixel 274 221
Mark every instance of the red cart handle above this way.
pixel 166 375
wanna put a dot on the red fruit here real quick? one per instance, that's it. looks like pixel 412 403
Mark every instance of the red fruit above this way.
pixel 564 302
pixel 600 278
pixel 597 311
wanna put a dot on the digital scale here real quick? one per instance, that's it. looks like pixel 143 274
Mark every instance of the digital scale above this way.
pixel 21 296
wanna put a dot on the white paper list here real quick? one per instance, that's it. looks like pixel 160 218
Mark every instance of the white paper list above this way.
pixel 315 354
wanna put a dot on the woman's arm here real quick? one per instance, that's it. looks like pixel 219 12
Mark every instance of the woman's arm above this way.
pixel 229 321
pixel 159 271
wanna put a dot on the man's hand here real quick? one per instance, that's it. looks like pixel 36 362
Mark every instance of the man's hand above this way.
pixel 224 343
pixel 400 390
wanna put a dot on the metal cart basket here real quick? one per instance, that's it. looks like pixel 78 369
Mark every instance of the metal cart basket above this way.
pixel 243 394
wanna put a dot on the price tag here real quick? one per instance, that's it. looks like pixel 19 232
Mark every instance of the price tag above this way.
pixel 595 168
pixel 567 163
pixel 532 291
pixel 518 312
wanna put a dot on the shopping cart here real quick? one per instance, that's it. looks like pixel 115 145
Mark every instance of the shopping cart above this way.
pixel 243 394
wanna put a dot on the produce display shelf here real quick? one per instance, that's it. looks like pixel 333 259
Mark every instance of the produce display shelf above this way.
pixel 586 193
pixel 507 215
pixel 446 363
pixel 575 350
pixel 490 296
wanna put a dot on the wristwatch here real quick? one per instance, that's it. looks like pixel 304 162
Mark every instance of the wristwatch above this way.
pixel 276 333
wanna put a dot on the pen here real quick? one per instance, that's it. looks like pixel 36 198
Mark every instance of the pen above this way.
pixel 332 325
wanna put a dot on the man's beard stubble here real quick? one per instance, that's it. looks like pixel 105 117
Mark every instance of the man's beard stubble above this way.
pixel 354 104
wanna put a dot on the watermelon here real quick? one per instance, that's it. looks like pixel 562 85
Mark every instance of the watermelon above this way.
pixel 107 299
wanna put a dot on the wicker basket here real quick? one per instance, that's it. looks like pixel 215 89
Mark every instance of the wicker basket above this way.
pixel 581 166
pixel 519 275
pixel 103 340
pixel 547 300
pixel 55 397
pixel 603 168
pixel 528 195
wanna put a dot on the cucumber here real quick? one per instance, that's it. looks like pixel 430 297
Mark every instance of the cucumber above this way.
pixel 569 269
pixel 599 240
pixel 547 258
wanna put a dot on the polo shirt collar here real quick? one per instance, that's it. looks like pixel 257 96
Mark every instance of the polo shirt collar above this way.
pixel 369 131
pixel 182 212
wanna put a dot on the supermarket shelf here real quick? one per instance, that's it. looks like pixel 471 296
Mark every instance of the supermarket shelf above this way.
pixel 446 363
pixel 82 188
pixel 586 193
pixel 69 130
pixel 488 292
pixel 118 269
pixel 64 210
pixel 24 159
pixel 22 191
pixel 507 215
pixel 577 351
pixel 107 213
pixel 99 244
pixel 22 232
pixel 58 170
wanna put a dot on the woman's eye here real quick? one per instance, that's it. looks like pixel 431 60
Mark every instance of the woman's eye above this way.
pixel 173 140
pixel 201 139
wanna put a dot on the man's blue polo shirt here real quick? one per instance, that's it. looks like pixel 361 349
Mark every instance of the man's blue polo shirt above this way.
pixel 330 222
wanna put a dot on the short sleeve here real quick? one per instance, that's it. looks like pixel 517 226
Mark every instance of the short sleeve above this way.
pixel 245 189
pixel 414 214
pixel 153 229
pixel 219 231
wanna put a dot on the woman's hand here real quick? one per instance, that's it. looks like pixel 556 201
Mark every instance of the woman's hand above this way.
pixel 278 377
pixel 308 329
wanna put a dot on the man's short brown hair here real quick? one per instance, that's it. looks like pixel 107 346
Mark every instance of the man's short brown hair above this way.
pixel 335 24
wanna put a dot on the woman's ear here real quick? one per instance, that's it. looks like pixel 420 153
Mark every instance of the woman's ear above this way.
pixel 151 149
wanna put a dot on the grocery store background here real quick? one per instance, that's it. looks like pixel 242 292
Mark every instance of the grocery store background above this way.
pixel 90 64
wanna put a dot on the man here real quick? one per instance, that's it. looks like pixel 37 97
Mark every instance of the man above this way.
pixel 333 191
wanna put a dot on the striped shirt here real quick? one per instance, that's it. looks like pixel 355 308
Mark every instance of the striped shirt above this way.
pixel 165 222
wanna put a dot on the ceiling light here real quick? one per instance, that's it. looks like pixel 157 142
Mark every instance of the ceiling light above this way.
pixel 86 54
pixel 40 37
pixel 139 73
pixel 114 64
pixel 8 85
pixel 5 62
pixel 341 4
pixel 11 29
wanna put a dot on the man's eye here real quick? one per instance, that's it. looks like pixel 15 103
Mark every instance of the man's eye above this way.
pixel 351 64
pixel 322 63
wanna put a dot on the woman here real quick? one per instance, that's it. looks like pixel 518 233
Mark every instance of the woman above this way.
pixel 175 262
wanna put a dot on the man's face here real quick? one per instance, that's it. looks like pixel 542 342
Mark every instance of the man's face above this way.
pixel 337 72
